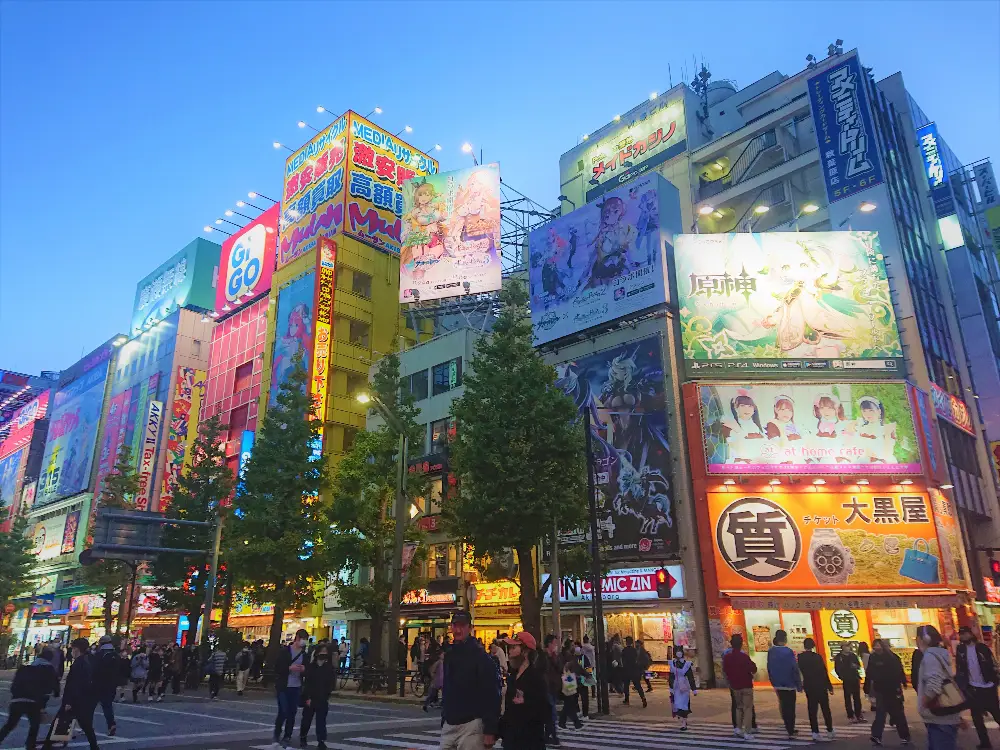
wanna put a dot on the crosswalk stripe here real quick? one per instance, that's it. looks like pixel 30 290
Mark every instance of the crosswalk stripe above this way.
pixel 690 737
pixel 384 742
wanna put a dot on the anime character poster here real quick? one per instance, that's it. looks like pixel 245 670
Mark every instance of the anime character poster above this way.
pixel 69 533
pixel 812 428
pixel 786 303
pixel 10 470
pixel 293 329
pixel 623 389
pixel 603 261
pixel 451 234
pixel 183 423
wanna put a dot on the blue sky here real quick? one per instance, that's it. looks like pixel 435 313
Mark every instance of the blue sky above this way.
pixel 125 127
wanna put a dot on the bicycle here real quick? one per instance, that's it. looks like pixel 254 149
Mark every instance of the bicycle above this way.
pixel 419 684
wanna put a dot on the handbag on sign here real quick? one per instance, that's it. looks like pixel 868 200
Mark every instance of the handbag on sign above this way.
pixel 920 565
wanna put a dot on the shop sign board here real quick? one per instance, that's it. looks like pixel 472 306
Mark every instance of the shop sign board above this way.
pixel 786 304
pixel 188 278
pixel 420 597
pixel 147 458
pixel 952 409
pixel 319 368
pixel 992 590
pixel 183 429
pixel 825 541
pixel 10 477
pixel 495 594
pixel 802 603
pixel 809 428
pixel 935 170
pixel 22 424
pixel 247 263
pixel 844 623
pixel 956 566
pixel 992 216
pixel 626 584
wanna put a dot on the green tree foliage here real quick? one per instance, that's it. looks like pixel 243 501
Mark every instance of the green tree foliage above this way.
pixel 519 452
pixel 16 564
pixel 364 490
pixel 200 492
pixel 277 538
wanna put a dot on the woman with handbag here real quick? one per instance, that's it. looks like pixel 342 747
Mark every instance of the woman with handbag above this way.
pixel 939 700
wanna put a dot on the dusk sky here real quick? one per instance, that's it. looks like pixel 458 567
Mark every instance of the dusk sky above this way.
pixel 125 127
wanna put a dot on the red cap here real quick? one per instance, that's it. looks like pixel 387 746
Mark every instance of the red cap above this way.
pixel 525 639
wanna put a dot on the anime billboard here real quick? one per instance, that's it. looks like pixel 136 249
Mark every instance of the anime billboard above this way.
pixel 293 329
pixel 788 304
pixel 603 261
pixel 847 428
pixel 623 389
pixel 451 234
pixel 10 474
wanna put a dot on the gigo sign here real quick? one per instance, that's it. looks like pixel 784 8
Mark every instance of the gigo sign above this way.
pixel 247 262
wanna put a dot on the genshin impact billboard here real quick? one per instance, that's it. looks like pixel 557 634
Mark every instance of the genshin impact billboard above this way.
pixel 788 304
pixel 623 389
pixel 854 428
pixel 293 329
pixel 451 234
pixel 603 261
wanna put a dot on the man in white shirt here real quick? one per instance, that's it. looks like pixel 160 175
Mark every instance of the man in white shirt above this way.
pixel 976 674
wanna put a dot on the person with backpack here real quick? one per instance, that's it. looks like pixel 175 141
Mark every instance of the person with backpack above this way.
pixel 29 691
pixel 107 669
pixel 645 662
pixel 244 660
pixel 570 688
pixel 939 699
pixel 317 685
pixel 289 668
pixel 884 682
pixel 818 688
pixel 585 678
pixel 783 673
pixel 847 665
pixel 436 680
pixel 139 672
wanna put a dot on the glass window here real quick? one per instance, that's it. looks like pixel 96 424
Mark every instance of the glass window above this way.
pixel 362 285
pixel 356 383
pixel 442 432
pixel 416 384
pixel 359 333
pixel 244 376
pixel 447 375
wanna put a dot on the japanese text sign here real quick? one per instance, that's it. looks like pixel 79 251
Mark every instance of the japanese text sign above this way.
pixel 187 279
pixel 501 592
pixel 626 584
pixel 952 409
pixel 147 457
pixel 183 429
pixel 844 131
pixel 935 170
pixel 956 566
pixel 319 372
pixel 247 262
pixel 22 424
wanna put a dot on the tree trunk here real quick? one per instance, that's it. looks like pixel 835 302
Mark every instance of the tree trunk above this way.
pixel 227 604
pixel 274 642
pixel 123 607
pixel 194 617
pixel 531 605
pixel 109 595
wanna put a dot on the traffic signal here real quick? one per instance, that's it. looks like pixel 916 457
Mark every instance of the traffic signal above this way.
pixel 995 571
pixel 664 582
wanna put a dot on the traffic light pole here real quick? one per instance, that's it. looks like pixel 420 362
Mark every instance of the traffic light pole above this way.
pixel 600 668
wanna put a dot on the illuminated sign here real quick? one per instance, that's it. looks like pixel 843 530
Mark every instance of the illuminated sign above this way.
pixel 952 409
pixel 246 451
pixel 956 566
pixel 247 262
pixel 147 458
pixel 844 623
pixel 992 591
pixel 10 477
pixel 319 372
pixel 935 170
pixel 423 596
pixel 627 584
pixel 183 430
pixel 501 592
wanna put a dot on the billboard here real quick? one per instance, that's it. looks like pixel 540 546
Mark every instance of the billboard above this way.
pixel 247 262
pixel 623 390
pixel 654 135
pixel 22 424
pixel 807 428
pixel 183 429
pixel 188 279
pixel 625 584
pixel 935 170
pixel 952 409
pixel 956 566
pixel 147 457
pixel 47 536
pixel 847 142
pixel 312 203
pixel 603 261
pixel 319 367
pixel 10 475
pixel 451 234
pixel 789 304
pixel 293 329
pixel 74 420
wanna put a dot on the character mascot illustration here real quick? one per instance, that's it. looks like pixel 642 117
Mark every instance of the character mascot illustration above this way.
pixel 423 231
pixel 611 245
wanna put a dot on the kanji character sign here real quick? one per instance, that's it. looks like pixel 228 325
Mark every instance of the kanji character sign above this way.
pixel 758 539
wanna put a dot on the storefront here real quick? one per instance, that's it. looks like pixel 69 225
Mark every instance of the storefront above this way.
pixel 422 611
pixel 496 609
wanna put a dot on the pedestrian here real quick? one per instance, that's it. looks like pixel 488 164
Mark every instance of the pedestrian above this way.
pixel 783 673
pixel 244 660
pixel 319 678
pixel 864 653
pixel 682 686
pixel 631 671
pixel 570 686
pixel 176 670
pixel 436 676
pixel 155 673
pixel 362 656
pixel 139 672
pixel 193 674
pixel 526 704
pixel 617 672
pixel 939 706
pixel 737 728
pixel 58 659
pixel 590 655
pixel 915 660
pixel 818 688
pixel 124 671
pixel 345 654
pixel 976 674
pixel 29 692
pixel 645 662
pixel 586 678
pixel 547 662
pixel 848 667
pixel 470 715
pixel 289 668
pixel 107 668
pixel 216 668
pixel 79 699
pixel 500 657
pixel 884 683
pixel 739 670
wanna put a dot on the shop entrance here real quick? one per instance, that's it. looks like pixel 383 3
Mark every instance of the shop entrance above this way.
pixel 762 624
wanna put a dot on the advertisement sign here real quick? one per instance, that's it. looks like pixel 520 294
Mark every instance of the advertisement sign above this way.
pixel 147 458
pixel 22 424
pixel 995 453
pixel 247 262
pixel 495 594
pixel 788 304
pixel 70 530
pixel 847 142
pixel 319 370
pixel 246 450
pixel 627 584
pixel 451 234
pixel 837 542
pixel 187 279
pixel 930 438
pixel 139 406
pixel 993 222
pixel 10 477
pixel 623 390
pixel 423 596
pixel 73 426
pixel 805 428
pixel 956 566
pixel 111 441
pixel 183 427
pixel 603 261
pixel 986 181
pixel 293 330
pixel 378 165
pixel 654 135
pixel 48 535
pixel 992 592
pixel 28 496
pixel 952 409
pixel 935 171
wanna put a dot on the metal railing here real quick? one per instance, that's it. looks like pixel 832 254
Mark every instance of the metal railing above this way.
pixel 770 196
pixel 757 145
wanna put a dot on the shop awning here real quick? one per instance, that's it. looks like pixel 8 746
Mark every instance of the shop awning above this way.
pixel 809 602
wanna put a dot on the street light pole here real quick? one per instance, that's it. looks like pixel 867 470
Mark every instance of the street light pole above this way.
pixel 603 699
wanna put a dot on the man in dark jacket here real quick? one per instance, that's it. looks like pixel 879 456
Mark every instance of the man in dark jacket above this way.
pixel 107 668
pixel 471 712
pixel 632 672
pixel 288 670
pixel 78 698
pixel 884 681
pixel 976 674
pixel 29 691
pixel 847 665
pixel 817 686
pixel 548 664
pixel 319 678
pixel 526 704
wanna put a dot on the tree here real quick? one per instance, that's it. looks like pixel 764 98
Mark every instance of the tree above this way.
pixel 16 564
pixel 518 453
pixel 364 490
pixel 278 531
pixel 200 494
pixel 112 576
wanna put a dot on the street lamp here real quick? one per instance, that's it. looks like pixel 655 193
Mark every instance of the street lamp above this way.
pixel 397 547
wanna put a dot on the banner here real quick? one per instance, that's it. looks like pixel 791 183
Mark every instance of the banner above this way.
pixel 623 390
pixel 451 234
pixel 247 262
pixel 147 458
pixel 799 542
pixel 293 329
pixel 21 427
pixel 935 171
pixel 952 409
pixel 956 566
pixel 47 536
pixel 847 142
pixel 69 533
pixel 789 304
pixel 111 440
pixel 183 430
pixel 319 370
pixel 188 278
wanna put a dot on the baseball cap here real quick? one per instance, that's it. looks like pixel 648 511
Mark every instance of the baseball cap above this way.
pixel 522 639
pixel 461 618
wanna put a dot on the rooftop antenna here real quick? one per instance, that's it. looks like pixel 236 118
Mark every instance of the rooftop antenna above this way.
pixel 670 75
pixel 810 61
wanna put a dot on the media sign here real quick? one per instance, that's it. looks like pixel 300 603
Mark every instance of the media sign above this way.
pixel 627 584
pixel 935 170
pixel 247 262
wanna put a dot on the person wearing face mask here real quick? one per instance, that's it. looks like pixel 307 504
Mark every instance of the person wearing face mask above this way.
pixel 976 674
pixel 526 704
pixel 319 678
pixel 288 671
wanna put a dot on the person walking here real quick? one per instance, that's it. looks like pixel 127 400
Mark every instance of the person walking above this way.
pixel 884 682
pixel 78 699
pixel 155 673
pixel 976 674
pixel 590 654
pixel 176 670
pixel 847 665
pixel 547 663
pixel 500 656
pixel 818 688
pixel 289 668
pixel 124 671
pixel 632 672
pixel 585 679
pixel 244 660
pixel 740 669
pixel 737 731
pixel 470 716
pixel 645 662
pixel 436 680
pixel 320 676
pixel 345 654
pixel 216 668
pixel 935 688
pixel 682 686
pixel 107 668
pixel 783 672
pixel 139 672
pixel 526 703
pixel 29 692
pixel 617 672
pixel 571 674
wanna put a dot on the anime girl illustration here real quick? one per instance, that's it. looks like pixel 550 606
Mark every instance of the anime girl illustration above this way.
pixel 476 223
pixel 297 335
pixel 553 284
pixel 782 429
pixel 647 226
pixel 611 244
pixel 742 429
pixel 423 231
pixel 876 437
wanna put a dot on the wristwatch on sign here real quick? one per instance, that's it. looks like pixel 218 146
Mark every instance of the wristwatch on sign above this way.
pixel 830 561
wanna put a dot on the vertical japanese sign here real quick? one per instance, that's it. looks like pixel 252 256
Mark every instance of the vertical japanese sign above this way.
pixel 110 442
pixel 378 165
pixel 935 170
pixel 183 430
pixel 956 566
pixel 319 371
pixel 147 392
pixel 930 441
pixel 844 131
pixel 147 459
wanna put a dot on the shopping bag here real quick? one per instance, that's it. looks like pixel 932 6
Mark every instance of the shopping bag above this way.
pixel 61 729
pixel 920 565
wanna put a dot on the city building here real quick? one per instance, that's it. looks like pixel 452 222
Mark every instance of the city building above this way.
pixel 17 389
pixel 21 452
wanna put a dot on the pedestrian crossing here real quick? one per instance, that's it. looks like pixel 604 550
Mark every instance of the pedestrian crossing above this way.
pixel 616 735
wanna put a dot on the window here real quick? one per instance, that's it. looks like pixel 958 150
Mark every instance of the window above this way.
pixel 356 383
pixel 196 348
pixel 350 433
pixel 430 504
pixel 447 375
pixel 359 333
pixel 442 432
pixel 238 422
pixel 244 376
pixel 416 384
pixel 442 561
pixel 362 285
